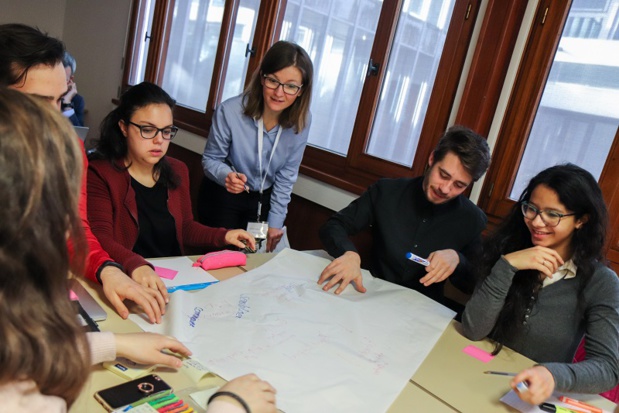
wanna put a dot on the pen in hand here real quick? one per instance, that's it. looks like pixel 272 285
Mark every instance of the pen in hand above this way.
pixel 239 176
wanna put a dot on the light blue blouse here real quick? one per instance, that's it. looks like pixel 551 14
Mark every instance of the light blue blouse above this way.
pixel 233 140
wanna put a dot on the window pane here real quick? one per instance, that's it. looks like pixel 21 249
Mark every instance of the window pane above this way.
pixel 243 36
pixel 413 62
pixel 577 118
pixel 191 51
pixel 141 42
pixel 338 36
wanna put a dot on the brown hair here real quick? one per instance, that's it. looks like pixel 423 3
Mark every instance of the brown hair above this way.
pixel 281 55
pixel 470 147
pixel 41 165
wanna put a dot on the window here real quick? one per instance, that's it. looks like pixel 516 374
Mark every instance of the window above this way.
pixel 197 50
pixel 377 101
pixel 386 72
pixel 565 111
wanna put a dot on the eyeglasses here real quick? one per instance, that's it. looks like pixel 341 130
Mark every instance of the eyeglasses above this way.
pixel 289 88
pixel 550 218
pixel 149 132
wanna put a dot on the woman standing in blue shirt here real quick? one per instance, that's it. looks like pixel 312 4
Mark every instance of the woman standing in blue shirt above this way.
pixel 256 144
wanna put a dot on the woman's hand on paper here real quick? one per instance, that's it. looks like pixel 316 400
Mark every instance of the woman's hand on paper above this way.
pixel 343 270
pixel 540 381
pixel 118 286
pixel 542 259
pixel 146 348
pixel 237 236
pixel 148 278
pixel 258 394
pixel 274 236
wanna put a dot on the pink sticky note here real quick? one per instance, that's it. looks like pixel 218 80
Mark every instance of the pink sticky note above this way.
pixel 478 353
pixel 165 272
pixel 73 296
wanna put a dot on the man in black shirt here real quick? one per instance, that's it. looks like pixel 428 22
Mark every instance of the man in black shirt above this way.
pixel 427 216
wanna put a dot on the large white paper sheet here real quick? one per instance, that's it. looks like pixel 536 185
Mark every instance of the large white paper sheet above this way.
pixel 324 353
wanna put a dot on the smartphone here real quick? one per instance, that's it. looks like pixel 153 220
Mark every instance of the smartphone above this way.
pixel 134 392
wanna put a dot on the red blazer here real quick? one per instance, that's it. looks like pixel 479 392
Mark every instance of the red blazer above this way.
pixel 96 255
pixel 113 213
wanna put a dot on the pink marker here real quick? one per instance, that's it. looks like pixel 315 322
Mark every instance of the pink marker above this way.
pixel 417 259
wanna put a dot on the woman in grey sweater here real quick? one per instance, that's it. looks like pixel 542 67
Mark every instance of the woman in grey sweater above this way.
pixel 544 286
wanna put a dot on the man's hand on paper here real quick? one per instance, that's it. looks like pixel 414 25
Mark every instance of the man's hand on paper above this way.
pixel 540 381
pixel 146 348
pixel 258 394
pixel 343 270
pixel 442 264
pixel 118 286
pixel 148 278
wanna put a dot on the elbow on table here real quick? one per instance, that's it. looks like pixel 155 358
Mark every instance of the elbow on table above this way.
pixel 469 331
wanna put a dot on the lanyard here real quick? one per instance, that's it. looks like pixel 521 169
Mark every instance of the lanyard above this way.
pixel 260 145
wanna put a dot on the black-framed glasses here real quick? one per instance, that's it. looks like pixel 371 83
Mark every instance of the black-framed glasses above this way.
pixel 149 132
pixel 289 88
pixel 550 218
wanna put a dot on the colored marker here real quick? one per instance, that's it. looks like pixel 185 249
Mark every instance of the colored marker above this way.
pixel 549 407
pixel 190 287
pixel 417 259
pixel 582 405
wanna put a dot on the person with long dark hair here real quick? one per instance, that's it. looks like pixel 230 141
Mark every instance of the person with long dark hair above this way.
pixel 255 146
pixel 545 285
pixel 138 197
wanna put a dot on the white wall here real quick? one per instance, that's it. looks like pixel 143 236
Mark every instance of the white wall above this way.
pixel 94 33
pixel 48 15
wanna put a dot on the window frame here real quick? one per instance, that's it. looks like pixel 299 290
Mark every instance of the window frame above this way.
pixel 357 170
pixel 534 68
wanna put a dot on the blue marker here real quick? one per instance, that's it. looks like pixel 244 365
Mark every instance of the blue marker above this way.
pixel 190 287
pixel 417 259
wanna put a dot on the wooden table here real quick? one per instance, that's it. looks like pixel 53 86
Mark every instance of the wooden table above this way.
pixel 447 381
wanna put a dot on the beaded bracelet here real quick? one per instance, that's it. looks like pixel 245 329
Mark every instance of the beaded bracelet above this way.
pixel 230 394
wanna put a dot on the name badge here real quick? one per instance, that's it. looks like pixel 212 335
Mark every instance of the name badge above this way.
pixel 258 229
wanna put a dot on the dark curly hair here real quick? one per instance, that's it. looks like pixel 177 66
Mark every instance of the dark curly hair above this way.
pixel 112 144
pixel 578 190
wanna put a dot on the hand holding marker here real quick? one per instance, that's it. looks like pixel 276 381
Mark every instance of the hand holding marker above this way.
pixel 417 259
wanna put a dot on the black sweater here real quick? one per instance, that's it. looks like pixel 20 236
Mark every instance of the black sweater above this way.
pixel 403 220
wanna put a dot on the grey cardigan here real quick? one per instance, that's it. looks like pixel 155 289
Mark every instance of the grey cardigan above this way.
pixel 556 325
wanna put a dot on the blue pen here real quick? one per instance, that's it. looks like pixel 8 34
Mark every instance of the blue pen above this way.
pixel 190 287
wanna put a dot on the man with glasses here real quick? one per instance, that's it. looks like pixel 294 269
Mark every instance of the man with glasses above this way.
pixel 423 228
pixel 31 62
